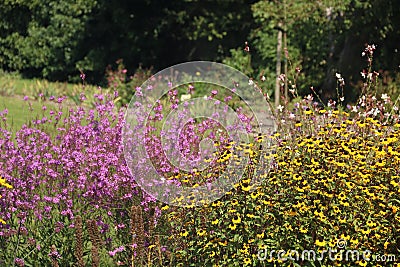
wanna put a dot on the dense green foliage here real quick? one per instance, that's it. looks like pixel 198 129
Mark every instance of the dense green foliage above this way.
pixel 56 40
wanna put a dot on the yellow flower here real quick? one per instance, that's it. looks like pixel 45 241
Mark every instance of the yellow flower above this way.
pixel 201 232
pixel 362 263
pixel 251 216
pixel 254 195
pixel 365 231
pixel 342 196
pixel 234 202
pixel 4 183
pixel 165 207
pixel 354 241
pixel 246 187
pixel 215 221
pixel 370 223
pixel 345 237
pixel 297 177
pixel 184 233
pixel 387 243
pixel 320 242
pixel 247 261
pixel 350 184
pixel 232 226
pixel 236 219
pixel 308 111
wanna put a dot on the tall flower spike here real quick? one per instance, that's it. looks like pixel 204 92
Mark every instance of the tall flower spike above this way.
pixel 93 234
pixel 79 242
pixel 54 256
pixel 137 233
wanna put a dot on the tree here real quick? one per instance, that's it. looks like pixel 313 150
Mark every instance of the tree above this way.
pixel 44 38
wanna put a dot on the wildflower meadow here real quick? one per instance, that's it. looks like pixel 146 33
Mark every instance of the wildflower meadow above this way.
pixel 83 184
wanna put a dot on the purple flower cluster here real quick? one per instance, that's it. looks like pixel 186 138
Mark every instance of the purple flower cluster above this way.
pixel 68 163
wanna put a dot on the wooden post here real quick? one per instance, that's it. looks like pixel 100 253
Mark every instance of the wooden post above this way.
pixel 278 64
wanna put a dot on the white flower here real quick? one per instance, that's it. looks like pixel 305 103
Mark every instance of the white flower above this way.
pixel 342 99
pixel 333 103
pixel 251 82
pixel 263 78
pixel 354 108
pixel 338 76
pixel 385 97
pixel 292 116
pixel 395 108
pixel 373 98
pixel 310 97
pixel 280 108
pixel 185 97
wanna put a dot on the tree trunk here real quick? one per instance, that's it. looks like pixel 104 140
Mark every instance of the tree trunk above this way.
pixel 285 64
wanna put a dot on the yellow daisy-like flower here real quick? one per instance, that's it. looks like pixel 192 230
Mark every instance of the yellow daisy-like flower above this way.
pixel 236 219
pixel 370 223
pixel 232 226
pixel 362 263
pixel 4 183
pixel 251 216
pixel 246 187
pixel 254 195
pixel 345 237
pixel 297 177
pixel 320 242
pixel 387 243
pixel 184 233
pixel 201 232
pixel 247 261
pixel 342 196
pixel 215 221
pixel 308 111
pixel 354 241
pixel 350 184
pixel 234 202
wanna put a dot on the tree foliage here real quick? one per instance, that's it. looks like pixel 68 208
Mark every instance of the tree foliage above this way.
pixel 56 40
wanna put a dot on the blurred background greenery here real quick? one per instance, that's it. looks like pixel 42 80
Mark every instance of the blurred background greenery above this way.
pixel 57 40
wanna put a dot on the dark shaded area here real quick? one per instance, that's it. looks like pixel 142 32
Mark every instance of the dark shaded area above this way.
pixel 148 33
pixel 56 40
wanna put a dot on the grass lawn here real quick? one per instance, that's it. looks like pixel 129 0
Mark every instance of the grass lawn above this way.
pixel 18 110
pixel 13 88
